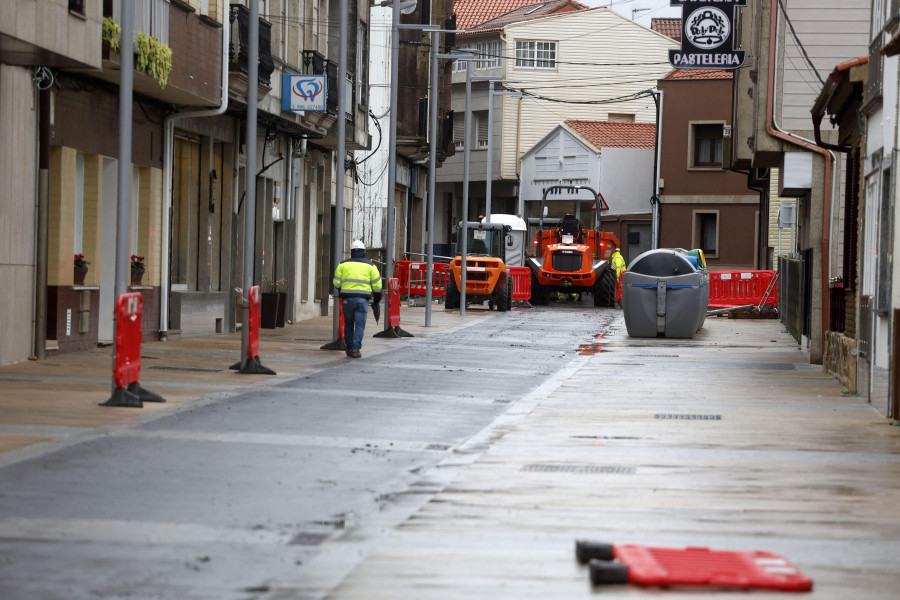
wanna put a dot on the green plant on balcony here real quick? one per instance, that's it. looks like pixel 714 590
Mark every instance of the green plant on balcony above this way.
pixel 112 33
pixel 153 58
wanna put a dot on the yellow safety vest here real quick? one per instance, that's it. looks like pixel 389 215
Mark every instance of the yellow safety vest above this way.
pixel 357 278
pixel 618 263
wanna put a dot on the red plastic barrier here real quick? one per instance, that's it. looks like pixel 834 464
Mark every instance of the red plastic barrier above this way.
pixel 253 324
pixel 341 320
pixel 739 288
pixel 412 276
pixel 521 278
pixel 129 308
pixel 393 302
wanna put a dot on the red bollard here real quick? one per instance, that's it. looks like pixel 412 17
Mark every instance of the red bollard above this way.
pixel 252 365
pixel 393 312
pixel 127 369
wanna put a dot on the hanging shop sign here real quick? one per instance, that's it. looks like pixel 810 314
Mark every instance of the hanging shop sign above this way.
pixel 303 92
pixel 707 35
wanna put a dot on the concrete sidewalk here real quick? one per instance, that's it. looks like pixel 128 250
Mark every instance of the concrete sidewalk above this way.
pixel 730 441
pixel 42 404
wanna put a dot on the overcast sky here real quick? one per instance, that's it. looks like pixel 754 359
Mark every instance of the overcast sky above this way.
pixel 633 9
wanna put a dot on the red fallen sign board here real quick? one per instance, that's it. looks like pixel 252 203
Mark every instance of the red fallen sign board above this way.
pixel 702 566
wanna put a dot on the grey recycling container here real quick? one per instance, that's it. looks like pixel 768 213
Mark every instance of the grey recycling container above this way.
pixel 665 294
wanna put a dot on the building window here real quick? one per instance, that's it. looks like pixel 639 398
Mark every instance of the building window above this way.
pixel 150 16
pixel 481 128
pixel 706 232
pixel 459 66
pixel 459 131
pixel 531 54
pixel 488 55
pixel 706 145
pixel 76 6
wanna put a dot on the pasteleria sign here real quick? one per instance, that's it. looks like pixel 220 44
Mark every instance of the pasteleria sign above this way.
pixel 303 92
pixel 707 35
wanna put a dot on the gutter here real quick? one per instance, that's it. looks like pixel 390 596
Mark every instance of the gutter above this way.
pixel 775 131
pixel 168 158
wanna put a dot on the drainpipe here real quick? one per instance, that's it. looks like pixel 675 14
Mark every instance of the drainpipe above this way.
pixel 168 157
pixel 775 131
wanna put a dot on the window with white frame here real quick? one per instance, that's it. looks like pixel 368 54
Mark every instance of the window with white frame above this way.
pixel 534 54
pixel 488 55
pixel 150 16
pixel 481 128
pixel 706 149
pixel 459 131
pixel 459 66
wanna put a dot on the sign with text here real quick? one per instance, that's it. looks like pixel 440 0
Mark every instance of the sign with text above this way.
pixel 303 92
pixel 707 35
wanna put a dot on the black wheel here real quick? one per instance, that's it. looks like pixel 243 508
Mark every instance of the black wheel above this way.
pixel 586 550
pixel 451 295
pixel 509 294
pixel 608 572
pixel 502 298
pixel 605 289
pixel 539 294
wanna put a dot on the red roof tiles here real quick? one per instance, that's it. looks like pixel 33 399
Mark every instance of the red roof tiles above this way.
pixel 533 10
pixel 470 13
pixel 668 27
pixel 613 134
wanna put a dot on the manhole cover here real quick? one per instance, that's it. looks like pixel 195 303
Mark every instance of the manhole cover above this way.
pixel 579 469
pixel 687 417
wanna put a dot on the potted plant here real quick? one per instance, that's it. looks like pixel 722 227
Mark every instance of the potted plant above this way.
pixel 81 269
pixel 268 304
pixel 137 269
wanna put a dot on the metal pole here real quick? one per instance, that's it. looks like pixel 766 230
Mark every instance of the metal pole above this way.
pixel 337 243
pixel 464 233
pixel 432 167
pixel 392 147
pixel 126 93
pixel 490 156
pixel 656 168
pixel 250 178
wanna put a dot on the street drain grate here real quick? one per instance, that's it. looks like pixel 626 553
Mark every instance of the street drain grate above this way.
pixel 437 447
pixel 687 417
pixel 578 469
pixel 308 539
pixel 191 369
pixel 657 355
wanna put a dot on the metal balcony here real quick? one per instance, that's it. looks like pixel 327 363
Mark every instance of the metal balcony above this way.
pixel 240 35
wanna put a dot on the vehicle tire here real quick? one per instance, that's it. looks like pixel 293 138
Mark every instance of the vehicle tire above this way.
pixel 509 295
pixel 538 292
pixel 605 289
pixel 451 295
pixel 608 572
pixel 503 296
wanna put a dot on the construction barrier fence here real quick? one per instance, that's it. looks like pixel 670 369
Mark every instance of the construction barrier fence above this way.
pixel 412 276
pixel 728 289
pixel 521 278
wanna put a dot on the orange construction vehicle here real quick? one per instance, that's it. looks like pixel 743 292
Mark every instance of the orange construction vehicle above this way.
pixel 486 275
pixel 572 259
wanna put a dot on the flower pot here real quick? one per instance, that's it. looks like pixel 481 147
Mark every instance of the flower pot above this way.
pixel 137 274
pixel 268 307
pixel 80 273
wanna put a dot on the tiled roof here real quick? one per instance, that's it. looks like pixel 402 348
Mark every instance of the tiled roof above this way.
pixel 700 74
pixel 470 13
pixel 613 134
pixel 534 10
pixel 668 27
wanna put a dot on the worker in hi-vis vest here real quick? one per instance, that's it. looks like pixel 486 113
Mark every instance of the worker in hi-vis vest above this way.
pixel 618 263
pixel 356 280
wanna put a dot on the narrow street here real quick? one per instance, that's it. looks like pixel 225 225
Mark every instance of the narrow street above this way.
pixel 465 463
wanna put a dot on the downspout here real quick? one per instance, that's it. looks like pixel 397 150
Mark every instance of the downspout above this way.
pixel 654 201
pixel 775 131
pixel 168 157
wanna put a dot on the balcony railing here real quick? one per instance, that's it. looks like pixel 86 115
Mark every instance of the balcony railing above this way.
pixel 240 35
pixel 316 64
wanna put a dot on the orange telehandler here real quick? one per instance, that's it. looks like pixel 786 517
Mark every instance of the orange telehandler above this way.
pixel 572 259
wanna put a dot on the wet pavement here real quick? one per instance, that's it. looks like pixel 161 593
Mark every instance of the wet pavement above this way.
pixel 463 463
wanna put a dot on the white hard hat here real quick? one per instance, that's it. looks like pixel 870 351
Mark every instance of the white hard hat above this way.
pixel 357 245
